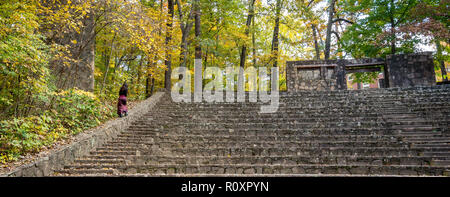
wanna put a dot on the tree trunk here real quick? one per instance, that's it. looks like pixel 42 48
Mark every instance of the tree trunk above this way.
pixel 150 78
pixel 254 42
pixel 247 28
pixel 150 85
pixel 107 63
pixel 338 39
pixel 139 75
pixel 152 88
pixel 391 12
pixel 329 26
pixel 276 31
pixel 168 61
pixel 198 68
pixel 441 61
pixel 185 29
pixel 198 48
pixel 316 45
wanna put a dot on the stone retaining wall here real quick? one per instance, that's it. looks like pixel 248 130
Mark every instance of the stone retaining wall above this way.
pixel 84 142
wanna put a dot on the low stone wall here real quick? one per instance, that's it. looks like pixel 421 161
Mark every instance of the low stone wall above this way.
pixel 312 75
pixel 85 142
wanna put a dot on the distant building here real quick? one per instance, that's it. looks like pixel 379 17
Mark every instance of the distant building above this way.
pixel 358 86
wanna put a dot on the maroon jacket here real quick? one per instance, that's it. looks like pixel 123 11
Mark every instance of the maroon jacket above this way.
pixel 122 105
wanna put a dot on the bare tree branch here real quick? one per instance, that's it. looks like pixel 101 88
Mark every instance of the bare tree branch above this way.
pixel 341 19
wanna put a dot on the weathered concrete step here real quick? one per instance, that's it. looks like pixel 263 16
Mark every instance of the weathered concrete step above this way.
pixel 400 115
pixel 432 116
pixel 97 172
pixel 360 122
pixel 420 123
pixel 267 125
pixel 407 127
pixel 366 92
pixel 444 163
pixel 387 95
pixel 319 128
pixel 266 144
pixel 163 130
pixel 280 120
pixel 446 173
pixel 315 103
pixel 297 114
pixel 437 153
pixel 296 134
pixel 267 169
pixel 325 109
pixel 430 144
pixel 270 160
pixel 428 140
pixel 407 120
pixel 310 105
pixel 327 94
pixel 275 116
pixel 413 132
pixel 405 108
pixel 418 112
pixel 294 112
pixel 258 151
pixel 107 157
pixel 100 161
pixel 154 137
pixel 352 96
pixel 255 113
pixel 332 102
pixel 299 138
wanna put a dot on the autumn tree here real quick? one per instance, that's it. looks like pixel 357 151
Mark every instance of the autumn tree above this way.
pixel 429 19
pixel 376 31
pixel 247 30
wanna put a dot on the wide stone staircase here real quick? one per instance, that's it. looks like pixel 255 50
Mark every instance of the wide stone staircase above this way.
pixel 395 132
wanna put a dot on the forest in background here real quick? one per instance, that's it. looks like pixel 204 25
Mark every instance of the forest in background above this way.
pixel 62 62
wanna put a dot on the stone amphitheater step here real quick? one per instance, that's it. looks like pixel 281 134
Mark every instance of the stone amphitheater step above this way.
pixel 268 125
pixel 297 138
pixel 163 130
pixel 286 159
pixel 170 169
pixel 291 144
pixel 438 154
pixel 277 151
pixel 438 162
pixel 391 131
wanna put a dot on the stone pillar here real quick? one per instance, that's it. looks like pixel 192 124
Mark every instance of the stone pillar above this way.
pixel 341 80
pixel 386 76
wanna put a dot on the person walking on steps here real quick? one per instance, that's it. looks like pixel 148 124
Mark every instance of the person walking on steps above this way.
pixel 122 109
